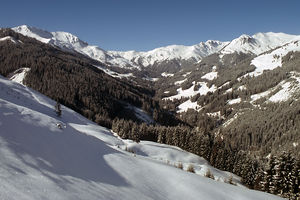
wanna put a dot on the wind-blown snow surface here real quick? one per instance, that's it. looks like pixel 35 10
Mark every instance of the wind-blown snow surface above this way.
pixel 82 160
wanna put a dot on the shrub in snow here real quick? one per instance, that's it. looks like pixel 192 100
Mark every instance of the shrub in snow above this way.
pixel 230 180
pixel 209 174
pixel 180 166
pixel 191 168
pixel 129 150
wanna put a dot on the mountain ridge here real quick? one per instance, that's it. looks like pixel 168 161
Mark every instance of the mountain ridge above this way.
pixel 255 44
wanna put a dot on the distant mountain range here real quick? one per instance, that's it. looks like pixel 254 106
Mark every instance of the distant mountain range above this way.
pixel 255 44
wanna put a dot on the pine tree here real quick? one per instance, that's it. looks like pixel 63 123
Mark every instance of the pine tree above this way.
pixel 294 189
pixel 277 177
pixel 267 182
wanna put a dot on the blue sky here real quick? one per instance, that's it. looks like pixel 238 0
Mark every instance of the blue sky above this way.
pixel 146 24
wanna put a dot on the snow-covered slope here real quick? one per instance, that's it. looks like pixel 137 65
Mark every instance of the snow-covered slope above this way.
pixel 190 92
pixel 270 61
pixel 258 43
pixel 81 160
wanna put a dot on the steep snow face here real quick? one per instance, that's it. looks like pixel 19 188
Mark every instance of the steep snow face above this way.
pixel 43 156
pixel 258 43
pixel 172 52
pixel 41 35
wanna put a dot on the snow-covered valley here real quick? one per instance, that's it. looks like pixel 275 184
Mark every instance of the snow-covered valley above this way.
pixel 43 156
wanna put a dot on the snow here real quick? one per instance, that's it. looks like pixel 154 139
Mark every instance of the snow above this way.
pixel 164 74
pixel 19 75
pixel 214 114
pixel 71 42
pixel 229 121
pixel 228 90
pixel 127 59
pixel 234 101
pixel 255 97
pixel 82 160
pixel 174 155
pixel 295 144
pixel 210 76
pixel 283 95
pixel 188 105
pixel 141 114
pixel 287 88
pixel 115 74
pixel 186 74
pixel 225 84
pixel 274 59
pixel 150 79
pixel 180 82
pixel 242 87
pixel 172 52
pixel 203 90
pixel 8 38
pixel 258 43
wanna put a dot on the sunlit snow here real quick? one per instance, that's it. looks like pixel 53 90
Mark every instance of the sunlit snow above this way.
pixel 81 160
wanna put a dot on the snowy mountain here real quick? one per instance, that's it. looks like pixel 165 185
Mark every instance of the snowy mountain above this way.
pixel 172 52
pixel 44 156
pixel 126 59
pixel 258 43
pixel 70 42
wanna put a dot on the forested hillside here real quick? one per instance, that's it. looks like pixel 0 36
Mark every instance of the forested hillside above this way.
pixel 73 80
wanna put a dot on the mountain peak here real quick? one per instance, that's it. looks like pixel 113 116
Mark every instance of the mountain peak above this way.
pixel 258 43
